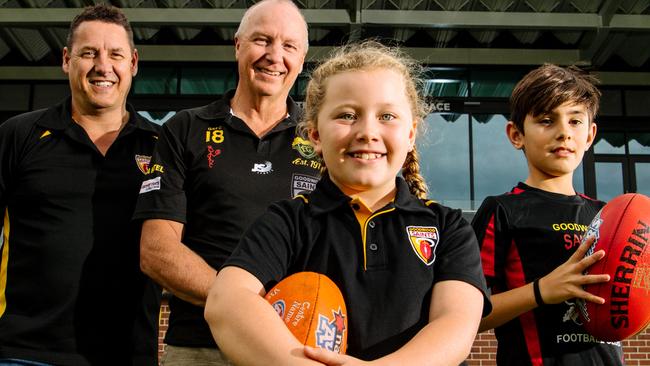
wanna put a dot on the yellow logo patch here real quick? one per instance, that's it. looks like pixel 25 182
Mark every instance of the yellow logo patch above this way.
pixel 304 148
pixel 424 240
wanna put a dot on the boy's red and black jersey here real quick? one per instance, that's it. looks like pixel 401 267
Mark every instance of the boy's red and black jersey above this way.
pixel 384 276
pixel 524 235
pixel 71 289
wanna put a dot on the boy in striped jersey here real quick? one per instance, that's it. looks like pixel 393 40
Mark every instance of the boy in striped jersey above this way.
pixel 530 237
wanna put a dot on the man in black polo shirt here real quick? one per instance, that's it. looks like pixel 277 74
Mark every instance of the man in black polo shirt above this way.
pixel 71 292
pixel 218 167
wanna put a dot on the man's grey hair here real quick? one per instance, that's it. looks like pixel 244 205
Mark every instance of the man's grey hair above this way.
pixel 245 20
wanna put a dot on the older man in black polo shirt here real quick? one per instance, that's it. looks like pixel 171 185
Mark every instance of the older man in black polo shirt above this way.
pixel 218 167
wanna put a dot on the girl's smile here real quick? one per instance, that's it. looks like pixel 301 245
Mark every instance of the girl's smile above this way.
pixel 365 129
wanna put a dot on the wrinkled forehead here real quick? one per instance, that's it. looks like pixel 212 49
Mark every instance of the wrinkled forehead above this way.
pixel 277 20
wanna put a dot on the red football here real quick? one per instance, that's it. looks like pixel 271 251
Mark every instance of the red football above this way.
pixel 622 229
pixel 313 309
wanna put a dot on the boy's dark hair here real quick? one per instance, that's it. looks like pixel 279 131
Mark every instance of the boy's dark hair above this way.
pixel 103 13
pixel 550 86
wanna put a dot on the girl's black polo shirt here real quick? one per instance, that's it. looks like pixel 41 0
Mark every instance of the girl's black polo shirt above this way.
pixel 385 276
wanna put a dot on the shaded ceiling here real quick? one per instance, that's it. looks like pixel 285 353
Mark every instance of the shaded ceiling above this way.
pixel 606 34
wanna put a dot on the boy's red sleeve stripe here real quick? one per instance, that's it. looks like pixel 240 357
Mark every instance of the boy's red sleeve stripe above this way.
pixel 515 278
pixel 488 249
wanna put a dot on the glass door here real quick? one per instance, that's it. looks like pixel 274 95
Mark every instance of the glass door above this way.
pixel 641 171
pixel 611 177
pixel 621 164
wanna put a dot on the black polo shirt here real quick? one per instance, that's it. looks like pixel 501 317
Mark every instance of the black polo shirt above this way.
pixel 386 271
pixel 212 173
pixel 524 235
pixel 70 284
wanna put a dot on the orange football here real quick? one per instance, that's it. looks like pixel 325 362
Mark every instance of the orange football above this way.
pixel 313 309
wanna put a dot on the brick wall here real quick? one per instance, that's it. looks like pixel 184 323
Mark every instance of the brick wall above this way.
pixel 636 350
pixel 484 350
pixel 163 322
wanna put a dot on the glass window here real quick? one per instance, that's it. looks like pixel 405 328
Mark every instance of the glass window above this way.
pixel 611 103
pixel 46 95
pixel 609 143
pixel 208 80
pixel 578 179
pixel 156 80
pixel 445 82
pixel 642 171
pixel 637 102
pixel 15 97
pixel 299 87
pixel 494 84
pixel 609 180
pixel 497 165
pixel 443 146
pixel 639 143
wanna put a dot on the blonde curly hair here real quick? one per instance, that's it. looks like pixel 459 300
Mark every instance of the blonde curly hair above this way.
pixel 370 55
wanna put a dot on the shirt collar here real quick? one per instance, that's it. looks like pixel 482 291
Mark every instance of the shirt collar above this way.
pixel 220 110
pixel 523 187
pixel 59 117
pixel 328 197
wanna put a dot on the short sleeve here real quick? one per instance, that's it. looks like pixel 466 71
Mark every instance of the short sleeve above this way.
pixel 459 257
pixel 490 225
pixel 162 194
pixel 7 161
pixel 14 136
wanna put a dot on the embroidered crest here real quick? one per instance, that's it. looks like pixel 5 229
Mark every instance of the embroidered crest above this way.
pixel 329 334
pixel 143 163
pixel 424 240
pixel 302 183
pixel 304 148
